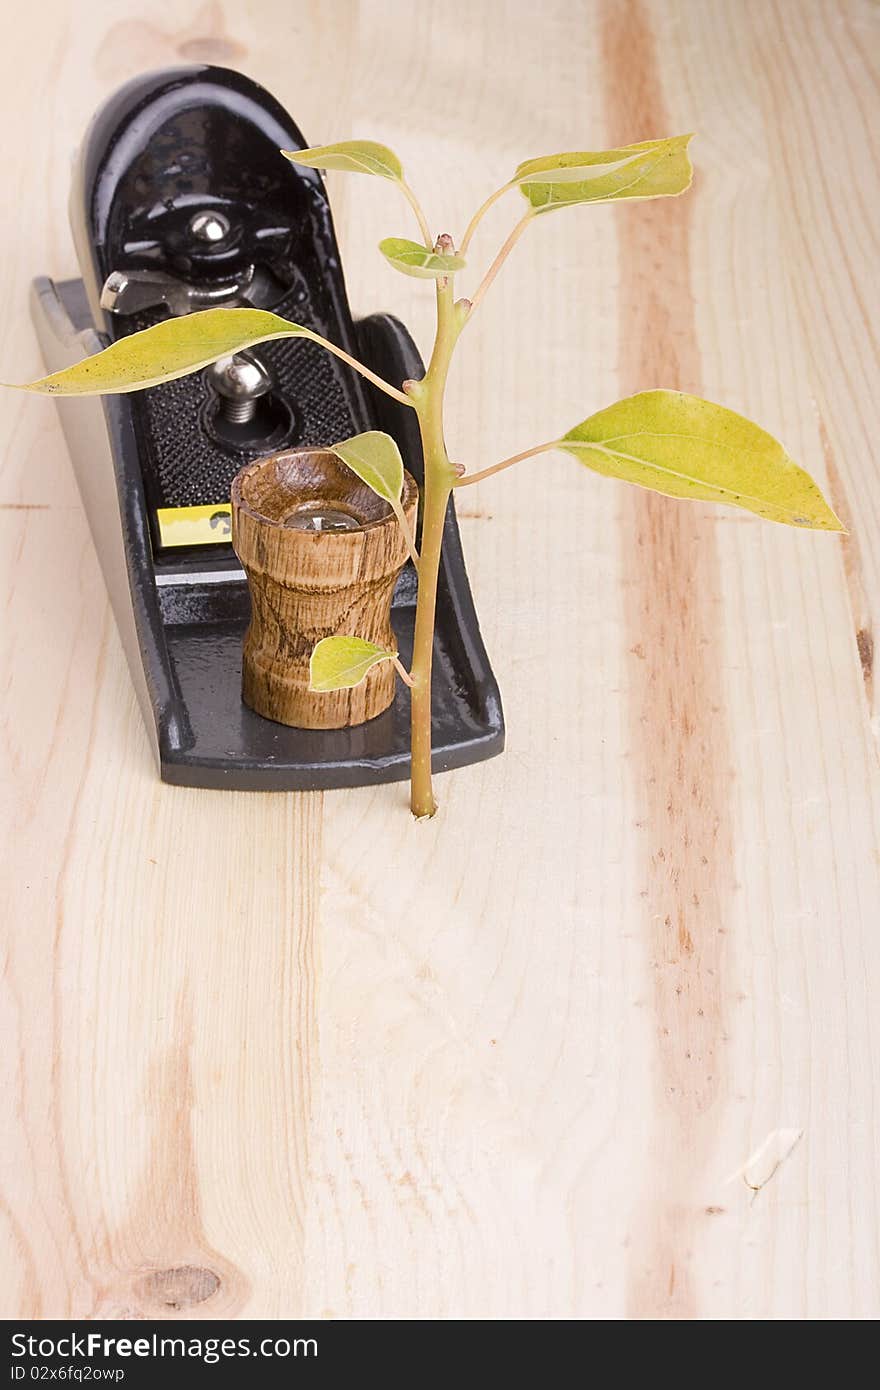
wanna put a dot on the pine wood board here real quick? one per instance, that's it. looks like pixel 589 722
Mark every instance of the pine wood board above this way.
pixel 599 1041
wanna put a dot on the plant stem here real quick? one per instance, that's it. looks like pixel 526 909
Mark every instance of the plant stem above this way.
pixel 505 463
pixel 405 527
pixel 483 208
pixel 379 381
pixel 422 800
pixel 402 671
pixel 439 478
pixel 417 209
pixel 501 257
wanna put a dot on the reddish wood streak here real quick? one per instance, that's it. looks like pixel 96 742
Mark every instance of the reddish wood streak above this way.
pixel 675 693
pixel 865 644
pixel 852 564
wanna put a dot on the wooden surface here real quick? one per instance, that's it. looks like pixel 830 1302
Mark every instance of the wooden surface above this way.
pixel 601 1040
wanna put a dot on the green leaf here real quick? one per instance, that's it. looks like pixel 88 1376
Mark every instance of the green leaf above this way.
pixel 413 259
pixel 652 169
pixel 375 458
pixel 168 350
pixel 351 156
pixel 682 446
pixel 337 663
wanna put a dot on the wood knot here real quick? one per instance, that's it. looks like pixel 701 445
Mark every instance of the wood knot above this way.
pixel 180 1287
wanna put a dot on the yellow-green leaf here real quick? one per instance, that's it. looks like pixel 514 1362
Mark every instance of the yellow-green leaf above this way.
pixel 652 169
pixel 337 663
pixel 413 259
pixel 375 458
pixel 351 156
pixel 168 350
pixel 683 446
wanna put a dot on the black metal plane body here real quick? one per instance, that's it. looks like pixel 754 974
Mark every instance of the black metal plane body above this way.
pixel 169 153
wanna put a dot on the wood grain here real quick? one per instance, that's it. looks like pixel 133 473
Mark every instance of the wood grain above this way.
pixel 676 706
pixel 598 1041
pixel 308 585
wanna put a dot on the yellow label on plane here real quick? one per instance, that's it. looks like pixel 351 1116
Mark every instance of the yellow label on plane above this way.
pixel 211 525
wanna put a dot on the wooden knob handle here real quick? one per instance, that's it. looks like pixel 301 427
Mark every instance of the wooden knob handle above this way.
pixel 307 582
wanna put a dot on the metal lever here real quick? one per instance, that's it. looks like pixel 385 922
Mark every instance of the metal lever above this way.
pixel 130 291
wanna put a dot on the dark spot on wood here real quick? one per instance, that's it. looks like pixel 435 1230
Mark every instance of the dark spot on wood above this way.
pixel 180 1287
pixel 865 644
